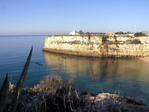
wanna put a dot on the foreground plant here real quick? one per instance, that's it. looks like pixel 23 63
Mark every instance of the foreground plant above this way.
pixel 63 98
pixel 4 93
pixel 18 89
pixel 20 83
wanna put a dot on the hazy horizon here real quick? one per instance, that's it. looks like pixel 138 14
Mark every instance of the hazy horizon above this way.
pixel 32 17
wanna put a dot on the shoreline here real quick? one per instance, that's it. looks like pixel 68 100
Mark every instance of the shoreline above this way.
pixel 89 54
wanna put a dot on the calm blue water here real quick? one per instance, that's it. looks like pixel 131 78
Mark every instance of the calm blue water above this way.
pixel 122 76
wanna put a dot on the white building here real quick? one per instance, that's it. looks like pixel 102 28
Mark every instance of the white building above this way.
pixel 74 33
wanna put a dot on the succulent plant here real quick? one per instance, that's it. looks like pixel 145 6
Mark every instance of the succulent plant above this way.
pixel 20 83
pixel 5 88
pixel 4 93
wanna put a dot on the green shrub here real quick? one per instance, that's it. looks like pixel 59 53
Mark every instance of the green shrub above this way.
pixel 81 32
pixel 135 41
pixel 119 33
pixel 139 34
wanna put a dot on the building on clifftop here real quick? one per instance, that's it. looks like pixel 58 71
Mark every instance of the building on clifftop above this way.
pixel 74 33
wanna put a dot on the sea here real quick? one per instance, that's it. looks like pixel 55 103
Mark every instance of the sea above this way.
pixel 126 77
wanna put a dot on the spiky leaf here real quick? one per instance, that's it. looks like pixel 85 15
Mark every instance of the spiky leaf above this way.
pixel 4 93
pixel 20 83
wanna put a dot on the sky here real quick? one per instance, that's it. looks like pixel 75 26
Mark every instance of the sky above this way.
pixel 63 16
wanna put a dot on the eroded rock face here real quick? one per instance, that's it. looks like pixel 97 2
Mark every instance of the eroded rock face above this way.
pixel 97 46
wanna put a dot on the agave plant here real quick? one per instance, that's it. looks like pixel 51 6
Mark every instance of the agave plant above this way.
pixel 4 93
pixel 17 91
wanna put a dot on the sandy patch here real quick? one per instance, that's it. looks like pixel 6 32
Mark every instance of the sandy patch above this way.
pixel 145 59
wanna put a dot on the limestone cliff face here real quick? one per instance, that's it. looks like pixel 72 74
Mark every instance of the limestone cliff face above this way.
pixel 98 46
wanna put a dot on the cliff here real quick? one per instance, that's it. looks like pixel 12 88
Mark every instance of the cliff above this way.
pixel 98 46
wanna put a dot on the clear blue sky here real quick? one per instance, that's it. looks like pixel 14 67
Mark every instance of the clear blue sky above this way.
pixel 61 16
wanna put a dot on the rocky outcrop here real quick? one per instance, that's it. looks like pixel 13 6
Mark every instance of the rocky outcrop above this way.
pixel 54 95
pixel 98 46
pixel 105 102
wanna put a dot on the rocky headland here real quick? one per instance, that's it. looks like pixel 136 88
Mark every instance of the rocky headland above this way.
pixel 98 45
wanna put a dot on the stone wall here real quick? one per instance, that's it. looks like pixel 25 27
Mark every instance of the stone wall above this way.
pixel 97 47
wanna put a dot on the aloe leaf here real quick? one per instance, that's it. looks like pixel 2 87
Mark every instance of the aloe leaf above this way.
pixel 4 93
pixel 20 83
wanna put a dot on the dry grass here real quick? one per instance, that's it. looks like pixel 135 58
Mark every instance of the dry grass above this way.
pixel 48 84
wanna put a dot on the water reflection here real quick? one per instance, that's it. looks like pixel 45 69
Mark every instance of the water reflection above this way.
pixel 109 75
pixel 99 68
